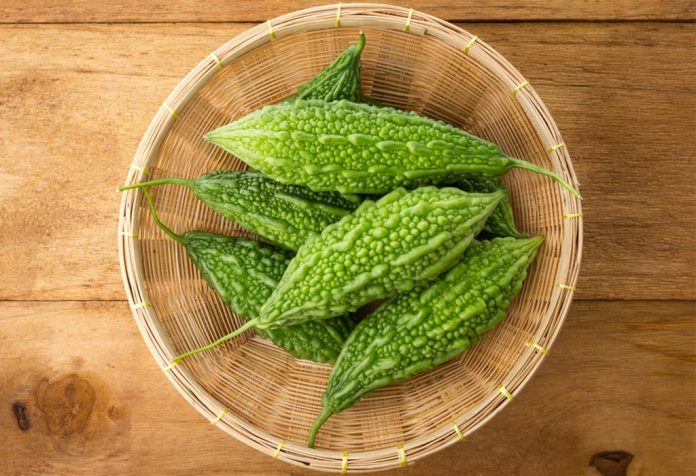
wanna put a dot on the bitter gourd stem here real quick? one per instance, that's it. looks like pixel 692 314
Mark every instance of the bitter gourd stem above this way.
pixel 522 164
pixel 163 227
pixel 323 416
pixel 164 181
pixel 229 336
pixel 360 43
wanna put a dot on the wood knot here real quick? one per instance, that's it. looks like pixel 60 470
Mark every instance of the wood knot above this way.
pixel 19 409
pixel 81 417
pixel 67 404
pixel 612 463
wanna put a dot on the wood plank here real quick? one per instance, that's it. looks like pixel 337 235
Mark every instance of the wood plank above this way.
pixel 620 377
pixel 132 11
pixel 75 100
pixel 619 97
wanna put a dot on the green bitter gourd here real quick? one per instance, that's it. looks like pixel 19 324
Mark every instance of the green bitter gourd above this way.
pixel 501 222
pixel 384 247
pixel 339 80
pixel 430 325
pixel 359 148
pixel 244 273
pixel 282 213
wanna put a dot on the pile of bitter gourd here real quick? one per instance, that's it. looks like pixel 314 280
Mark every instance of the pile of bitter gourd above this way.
pixel 431 188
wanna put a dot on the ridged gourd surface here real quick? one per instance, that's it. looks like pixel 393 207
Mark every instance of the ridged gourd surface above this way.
pixel 283 213
pixel 433 323
pixel 339 80
pixel 384 247
pixel 244 273
pixel 502 221
pixel 355 148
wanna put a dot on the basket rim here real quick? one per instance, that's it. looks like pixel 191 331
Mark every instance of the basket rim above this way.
pixel 350 15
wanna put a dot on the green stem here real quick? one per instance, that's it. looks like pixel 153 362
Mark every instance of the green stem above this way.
pixel 164 181
pixel 162 226
pixel 321 419
pixel 229 336
pixel 361 43
pixel 521 164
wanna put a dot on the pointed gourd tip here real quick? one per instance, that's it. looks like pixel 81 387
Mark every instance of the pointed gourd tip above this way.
pixel 495 198
pixel 536 241
pixel 212 136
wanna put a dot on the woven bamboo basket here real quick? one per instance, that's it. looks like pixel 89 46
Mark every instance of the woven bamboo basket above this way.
pixel 255 391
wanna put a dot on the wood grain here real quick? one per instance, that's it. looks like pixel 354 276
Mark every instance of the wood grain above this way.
pixel 94 402
pixel 133 11
pixel 75 100
pixel 79 392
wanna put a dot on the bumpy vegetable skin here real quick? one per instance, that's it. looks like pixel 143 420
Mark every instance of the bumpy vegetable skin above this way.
pixel 359 148
pixel 430 325
pixel 244 273
pixel 339 80
pixel 384 247
pixel 501 222
pixel 282 213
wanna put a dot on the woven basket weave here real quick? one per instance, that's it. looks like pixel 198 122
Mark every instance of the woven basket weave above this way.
pixel 253 390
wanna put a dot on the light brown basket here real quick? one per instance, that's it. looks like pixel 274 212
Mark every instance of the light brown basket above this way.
pixel 252 389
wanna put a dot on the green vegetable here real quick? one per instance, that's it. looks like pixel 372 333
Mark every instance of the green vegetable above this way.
pixel 382 248
pixel 244 273
pixel 339 80
pixel 501 222
pixel 430 325
pixel 359 148
pixel 285 214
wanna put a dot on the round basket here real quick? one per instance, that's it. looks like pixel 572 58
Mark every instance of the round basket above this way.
pixel 255 391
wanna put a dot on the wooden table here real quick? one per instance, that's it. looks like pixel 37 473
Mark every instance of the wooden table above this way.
pixel 79 392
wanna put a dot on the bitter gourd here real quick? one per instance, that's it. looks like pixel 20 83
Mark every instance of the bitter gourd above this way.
pixel 282 213
pixel 430 325
pixel 501 222
pixel 339 80
pixel 244 273
pixel 382 248
pixel 359 148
